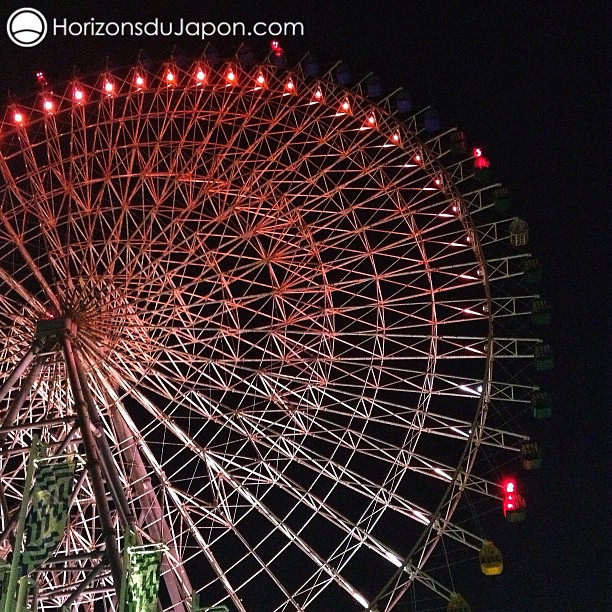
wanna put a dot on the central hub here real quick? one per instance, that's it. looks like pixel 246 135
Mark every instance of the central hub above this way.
pixel 98 310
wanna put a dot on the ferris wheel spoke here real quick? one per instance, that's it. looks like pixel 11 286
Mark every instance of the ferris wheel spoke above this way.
pixel 292 535
pixel 355 536
pixel 29 261
pixel 318 463
pixel 421 519
pixel 190 443
pixel 352 530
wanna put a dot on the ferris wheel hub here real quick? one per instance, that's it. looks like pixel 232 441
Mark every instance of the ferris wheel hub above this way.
pixel 93 312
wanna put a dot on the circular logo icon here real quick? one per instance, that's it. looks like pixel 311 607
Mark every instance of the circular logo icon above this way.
pixel 26 27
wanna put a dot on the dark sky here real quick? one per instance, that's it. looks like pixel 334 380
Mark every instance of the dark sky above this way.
pixel 526 81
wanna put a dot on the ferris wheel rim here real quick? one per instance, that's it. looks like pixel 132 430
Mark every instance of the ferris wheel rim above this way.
pixel 469 450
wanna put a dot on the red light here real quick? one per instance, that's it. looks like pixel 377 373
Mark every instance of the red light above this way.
pixel 108 87
pixel 395 137
pixel 200 76
pixel 42 81
pixel 318 94
pixel 18 117
pixel 514 505
pixel 372 120
pixel 278 50
pixel 48 105
pixel 231 76
pixel 417 158
pixel 480 161
pixel 290 86
pixel 345 107
pixel 261 79
pixel 170 77
pixel 78 95
pixel 139 81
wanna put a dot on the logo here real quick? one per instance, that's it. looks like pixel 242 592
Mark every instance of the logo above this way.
pixel 26 27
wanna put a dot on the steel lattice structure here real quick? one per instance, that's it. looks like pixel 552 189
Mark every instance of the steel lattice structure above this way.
pixel 285 312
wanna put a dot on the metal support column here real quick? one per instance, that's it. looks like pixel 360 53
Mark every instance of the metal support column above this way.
pixel 108 462
pixel 20 368
pixel 17 403
pixel 93 466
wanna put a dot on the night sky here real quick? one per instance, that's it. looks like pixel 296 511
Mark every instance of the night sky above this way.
pixel 526 82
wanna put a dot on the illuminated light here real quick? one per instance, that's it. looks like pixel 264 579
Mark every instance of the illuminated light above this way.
pixel 345 107
pixel 420 517
pixel 318 94
pixel 417 158
pixel 468 389
pixel 470 311
pixel 40 77
pixel 230 76
pixel 48 105
pixel 289 86
pixel 278 50
pixel 442 473
pixel 139 81
pixel 360 598
pixel 261 79
pixel 370 122
pixel 170 77
pixel 514 505
pixel 395 137
pixel 18 117
pixel 479 388
pixel 458 431
pixel 200 76
pixel 438 182
pixel 78 95
pixel 393 558
pixel 481 162
pixel 109 87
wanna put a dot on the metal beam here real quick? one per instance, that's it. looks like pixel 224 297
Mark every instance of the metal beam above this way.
pixel 108 461
pixel 93 466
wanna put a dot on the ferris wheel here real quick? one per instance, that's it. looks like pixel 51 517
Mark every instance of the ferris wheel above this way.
pixel 258 325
